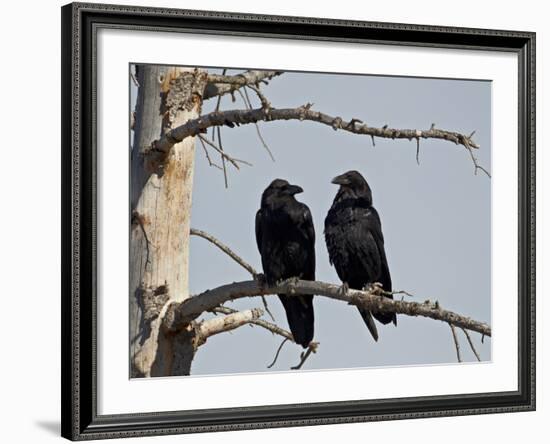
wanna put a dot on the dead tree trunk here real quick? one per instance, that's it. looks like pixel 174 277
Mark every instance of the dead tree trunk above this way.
pixel 161 189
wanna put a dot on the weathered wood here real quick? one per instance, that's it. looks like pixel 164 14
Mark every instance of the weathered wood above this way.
pixel 218 85
pixel 235 117
pixel 160 216
pixel 222 324
pixel 179 315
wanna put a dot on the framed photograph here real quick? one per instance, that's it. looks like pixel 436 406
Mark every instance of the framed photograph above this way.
pixel 275 221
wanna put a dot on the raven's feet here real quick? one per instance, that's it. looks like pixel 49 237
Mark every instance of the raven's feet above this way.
pixel 294 280
pixel 344 289
pixel 261 279
pixel 374 288
pixel 290 283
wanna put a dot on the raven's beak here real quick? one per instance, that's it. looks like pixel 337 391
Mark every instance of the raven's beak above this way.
pixel 294 189
pixel 340 180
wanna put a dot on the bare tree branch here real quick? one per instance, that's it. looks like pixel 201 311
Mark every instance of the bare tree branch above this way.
pixel 232 321
pixel 210 163
pixel 266 104
pixel 235 257
pixel 218 132
pixel 234 161
pixel 218 85
pixel 311 348
pixel 226 250
pixel 240 117
pixel 179 315
pixel 455 339
pixel 477 166
pixel 472 345
pixel 133 77
pixel 273 328
pixel 248 105
pixel 277 353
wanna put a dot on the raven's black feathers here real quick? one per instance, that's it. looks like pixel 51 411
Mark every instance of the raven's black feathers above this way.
pixel 286 241
pixel 353 234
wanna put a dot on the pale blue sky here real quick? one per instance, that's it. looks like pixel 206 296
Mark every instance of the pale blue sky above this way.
pixel 436 216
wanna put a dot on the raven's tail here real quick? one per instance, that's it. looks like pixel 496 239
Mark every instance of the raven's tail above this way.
pixel 385 318
pixel 299 314
pixel 369 321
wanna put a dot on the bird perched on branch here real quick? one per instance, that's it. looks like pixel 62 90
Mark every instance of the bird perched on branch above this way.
pixel 353 234
pixel 286 241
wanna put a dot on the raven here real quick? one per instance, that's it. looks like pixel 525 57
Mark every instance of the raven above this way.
pixel 286 241
pixel 355 244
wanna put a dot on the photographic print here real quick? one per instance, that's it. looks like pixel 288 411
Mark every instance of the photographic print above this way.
pixel 299 221
pixel 291 238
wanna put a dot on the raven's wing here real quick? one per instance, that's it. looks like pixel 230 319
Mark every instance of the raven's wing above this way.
pixel 355 250
pixel 375 229
pixel 301 259
pixel 259 230
pixel 307 224
pixel 308 230
pixel 367 263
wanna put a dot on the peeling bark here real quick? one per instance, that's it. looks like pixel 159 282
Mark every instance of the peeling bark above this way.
pixel 219 85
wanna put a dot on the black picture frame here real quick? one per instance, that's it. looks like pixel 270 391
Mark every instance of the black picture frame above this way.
pixel 79 172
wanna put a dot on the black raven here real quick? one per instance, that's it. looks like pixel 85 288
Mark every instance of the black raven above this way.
pixel 353 234
pixel 286 241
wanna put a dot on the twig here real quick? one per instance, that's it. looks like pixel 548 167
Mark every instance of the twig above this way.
pixel 233 160
pixel 225 249
pixel 218 131
pixel 456 343
pixel 471 344
pixel 406 293
pixel 312 347
pixel 477 166
pixel 266 105
pixel 223 156
pixel 210 163
pixel 244 78
pixel 133 77
pixel 235 257
pixel 245 100
pixel 248 105
pixel 219 100
pixel 268 311
pixel 277 354
pixel 219 85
